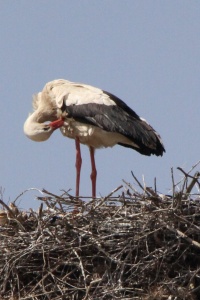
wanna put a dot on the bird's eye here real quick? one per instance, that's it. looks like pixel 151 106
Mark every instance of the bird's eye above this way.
pixel 46 128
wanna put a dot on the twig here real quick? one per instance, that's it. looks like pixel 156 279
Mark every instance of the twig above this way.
pixel 144 189
pixel 183 235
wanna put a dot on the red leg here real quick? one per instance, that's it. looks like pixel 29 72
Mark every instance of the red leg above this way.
pixel 78 165
pixel 93 175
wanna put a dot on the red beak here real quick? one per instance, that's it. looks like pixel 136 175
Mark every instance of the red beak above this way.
pixel 57 124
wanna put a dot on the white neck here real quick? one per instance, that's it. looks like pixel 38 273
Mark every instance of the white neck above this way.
pixel 35 130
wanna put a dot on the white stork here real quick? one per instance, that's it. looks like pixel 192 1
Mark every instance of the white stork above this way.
pixel 92 117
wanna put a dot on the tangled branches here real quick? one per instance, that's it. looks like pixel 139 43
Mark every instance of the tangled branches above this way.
pixel 134 246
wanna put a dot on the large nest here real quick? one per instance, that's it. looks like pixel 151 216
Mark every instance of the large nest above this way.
pixel 139 245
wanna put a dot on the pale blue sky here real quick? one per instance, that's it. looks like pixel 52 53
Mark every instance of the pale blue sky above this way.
pixel 145 52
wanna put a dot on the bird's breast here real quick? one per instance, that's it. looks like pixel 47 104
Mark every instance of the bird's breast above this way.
pixel 91 135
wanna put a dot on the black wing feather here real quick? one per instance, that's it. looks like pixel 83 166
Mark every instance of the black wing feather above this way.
pixel 121 119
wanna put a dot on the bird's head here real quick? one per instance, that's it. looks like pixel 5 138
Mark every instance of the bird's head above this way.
pixel 40 132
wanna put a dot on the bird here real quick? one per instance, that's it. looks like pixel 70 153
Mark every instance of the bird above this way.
pixel 90 116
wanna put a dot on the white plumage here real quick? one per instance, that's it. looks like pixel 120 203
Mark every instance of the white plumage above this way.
pixel 92 117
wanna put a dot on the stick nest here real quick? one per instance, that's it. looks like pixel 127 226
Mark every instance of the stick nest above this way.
pixel 139 245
